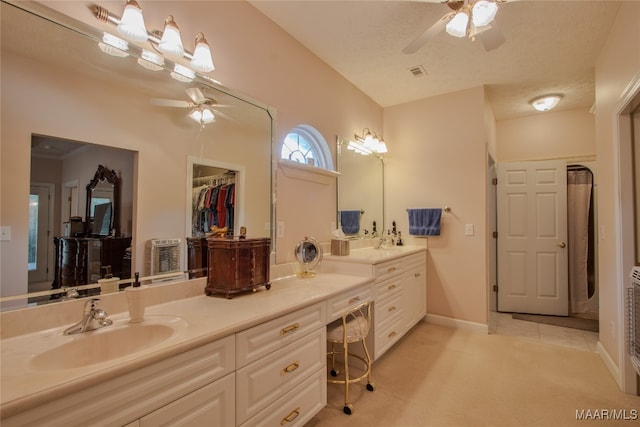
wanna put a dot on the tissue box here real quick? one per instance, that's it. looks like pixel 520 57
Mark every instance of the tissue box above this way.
pixel 339 247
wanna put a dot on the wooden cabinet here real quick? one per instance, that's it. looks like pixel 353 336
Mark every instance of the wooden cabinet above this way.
pixel 197 257
pixel 237 265
pixel 79 260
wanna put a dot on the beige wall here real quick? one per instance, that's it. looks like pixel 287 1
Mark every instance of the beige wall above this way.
pixel 438 157
pixel 548 135
pixel 617 66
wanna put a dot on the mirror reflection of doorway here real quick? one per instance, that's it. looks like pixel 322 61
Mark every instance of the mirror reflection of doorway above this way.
pixel 41 199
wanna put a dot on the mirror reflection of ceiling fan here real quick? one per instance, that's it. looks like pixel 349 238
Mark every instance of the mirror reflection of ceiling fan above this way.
pixel 468 18
pixel 203 109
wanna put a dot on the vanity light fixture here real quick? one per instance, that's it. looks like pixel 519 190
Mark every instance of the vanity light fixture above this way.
pixel 371 142
pixel 171 42
pixel 114 46
pixel 151 61
pixel 182 73
pixel 132 27
pixel 546 102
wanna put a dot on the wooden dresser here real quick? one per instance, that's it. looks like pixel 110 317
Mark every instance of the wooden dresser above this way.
pixel 79 260
pixel 237 265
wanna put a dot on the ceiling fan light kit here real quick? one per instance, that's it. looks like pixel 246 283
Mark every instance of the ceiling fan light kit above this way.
pixel 546 102
pixel 169 42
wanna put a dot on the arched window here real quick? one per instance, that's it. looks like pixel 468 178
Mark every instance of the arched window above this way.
pixel 304 144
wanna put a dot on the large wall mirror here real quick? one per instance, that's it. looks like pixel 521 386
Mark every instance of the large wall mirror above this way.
pixel 360 192
pixel 58 85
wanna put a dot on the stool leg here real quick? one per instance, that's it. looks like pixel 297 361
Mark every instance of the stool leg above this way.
pixel 368 356
pixel 348 408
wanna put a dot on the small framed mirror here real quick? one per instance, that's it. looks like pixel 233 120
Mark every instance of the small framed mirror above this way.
pixel 309 254
pixel 103 203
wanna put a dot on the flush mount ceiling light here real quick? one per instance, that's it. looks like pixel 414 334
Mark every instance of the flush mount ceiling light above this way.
pixel 546 102
pixel 169 42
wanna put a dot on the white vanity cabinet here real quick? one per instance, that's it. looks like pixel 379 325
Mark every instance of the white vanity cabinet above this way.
pixel 399 290
pixel 174 387
pixel 281 369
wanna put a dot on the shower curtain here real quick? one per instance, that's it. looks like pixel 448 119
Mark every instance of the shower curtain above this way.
pixel 579 184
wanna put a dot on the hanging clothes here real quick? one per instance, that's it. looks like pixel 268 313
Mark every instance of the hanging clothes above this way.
pixel 214 204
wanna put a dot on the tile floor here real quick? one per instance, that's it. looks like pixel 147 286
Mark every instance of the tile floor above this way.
pixel 525 375
pixel 504 324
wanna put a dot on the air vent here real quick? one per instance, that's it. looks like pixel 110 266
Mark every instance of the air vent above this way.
pixel 418 71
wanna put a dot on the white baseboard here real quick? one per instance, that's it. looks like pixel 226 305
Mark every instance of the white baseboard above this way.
pixel 457 323
pixel 610 364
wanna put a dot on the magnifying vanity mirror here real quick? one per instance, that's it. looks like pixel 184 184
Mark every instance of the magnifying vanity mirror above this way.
pixel 360 192
pixel 309 254
pixel 57 84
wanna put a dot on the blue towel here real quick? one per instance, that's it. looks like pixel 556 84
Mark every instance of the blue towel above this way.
pixel 424 222
pixel 350 221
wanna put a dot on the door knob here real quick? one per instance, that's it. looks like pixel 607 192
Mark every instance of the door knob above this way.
pixel 562 244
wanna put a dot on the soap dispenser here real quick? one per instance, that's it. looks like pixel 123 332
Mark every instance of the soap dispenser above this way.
pixel 134 299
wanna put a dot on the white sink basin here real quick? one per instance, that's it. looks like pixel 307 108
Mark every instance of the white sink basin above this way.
pixel 108 343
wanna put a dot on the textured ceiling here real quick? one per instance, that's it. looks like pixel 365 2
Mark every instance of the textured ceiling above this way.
pixel 551 47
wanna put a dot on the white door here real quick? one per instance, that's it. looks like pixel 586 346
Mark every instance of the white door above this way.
pixel 40 233
pixel 532 235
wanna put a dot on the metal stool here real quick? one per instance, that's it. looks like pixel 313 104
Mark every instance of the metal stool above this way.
pixel 353 328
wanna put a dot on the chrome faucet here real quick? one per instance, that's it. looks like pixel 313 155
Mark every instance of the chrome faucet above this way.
pixel 92 318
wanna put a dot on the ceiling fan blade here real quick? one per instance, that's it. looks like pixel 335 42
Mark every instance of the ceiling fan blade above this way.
pixel 431 32
pixel 218 113
pixel 196 95
pixel 170 103
pixel 492 38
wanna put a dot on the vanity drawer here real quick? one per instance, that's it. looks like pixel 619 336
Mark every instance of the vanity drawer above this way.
pixel 263 381
pixel 387 335
pixel 389 310
pixel 388 269
pixel 261 340
pixel 340 304
pixel 297 406
pixel 388 287
pixel 414 261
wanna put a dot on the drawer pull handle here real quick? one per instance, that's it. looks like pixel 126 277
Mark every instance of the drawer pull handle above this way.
pixel 392 334
pixel 391 287
pixel 288 329
pixel 416 275
pixel 292 416
pixel 391 269
pixel 290 368
pixel 354 299
pixel 392 308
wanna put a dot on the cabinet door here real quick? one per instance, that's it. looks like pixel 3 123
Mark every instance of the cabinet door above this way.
pixel 416 293
pixel 211 406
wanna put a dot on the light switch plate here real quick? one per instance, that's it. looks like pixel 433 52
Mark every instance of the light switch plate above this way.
pixel 5 232
pixel 468 230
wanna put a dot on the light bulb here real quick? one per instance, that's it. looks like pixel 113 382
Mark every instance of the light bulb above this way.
pixel 171 43
pixel 483 12
pixel 201 59
pixel 457 27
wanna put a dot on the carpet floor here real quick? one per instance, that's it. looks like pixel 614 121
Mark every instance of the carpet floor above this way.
pixel 438 376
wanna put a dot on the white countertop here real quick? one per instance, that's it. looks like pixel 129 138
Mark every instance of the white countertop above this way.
pixel 375 256
pixel 207 319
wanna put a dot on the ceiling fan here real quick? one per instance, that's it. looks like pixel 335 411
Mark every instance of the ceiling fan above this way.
pixel 468 18
pixel 202 107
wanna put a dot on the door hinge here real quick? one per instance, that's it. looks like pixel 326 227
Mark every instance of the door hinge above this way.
pixel 494 181
pixel 495 234
pixel 495 288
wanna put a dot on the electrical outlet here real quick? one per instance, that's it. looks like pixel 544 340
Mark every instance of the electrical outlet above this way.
pixel 280 229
